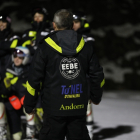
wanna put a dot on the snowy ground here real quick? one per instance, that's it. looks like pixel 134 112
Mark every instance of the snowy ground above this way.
pixel 118 116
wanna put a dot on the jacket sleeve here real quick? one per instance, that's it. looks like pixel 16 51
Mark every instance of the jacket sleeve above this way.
pixel 5 88
pixel 11 44
pixel 2 53
pixel 27 40
pixel 36 75
pixel 8 46
pixel 97 81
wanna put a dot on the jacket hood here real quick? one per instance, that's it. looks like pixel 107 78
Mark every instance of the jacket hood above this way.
pixel 66 42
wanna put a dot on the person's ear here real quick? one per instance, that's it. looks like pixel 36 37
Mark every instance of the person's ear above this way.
pixel 54 25
pixel 72 25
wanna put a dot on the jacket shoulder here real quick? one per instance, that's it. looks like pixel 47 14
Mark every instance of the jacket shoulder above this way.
pixel 43 43
pixel 26 32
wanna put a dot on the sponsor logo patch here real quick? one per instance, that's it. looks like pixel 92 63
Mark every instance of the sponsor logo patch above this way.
pixel 71 107
pixel 73 91
pixel 69 68
pixel 44 33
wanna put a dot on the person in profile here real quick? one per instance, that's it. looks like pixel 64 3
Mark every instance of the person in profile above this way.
pixel 82 26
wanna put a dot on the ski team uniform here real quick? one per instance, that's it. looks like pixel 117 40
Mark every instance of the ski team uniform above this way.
pixel 61 63
pixel 8 42
pixel 6 47
pixel 18 78
pixel 31 38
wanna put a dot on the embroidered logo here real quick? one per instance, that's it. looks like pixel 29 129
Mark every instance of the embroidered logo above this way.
pixel 69 68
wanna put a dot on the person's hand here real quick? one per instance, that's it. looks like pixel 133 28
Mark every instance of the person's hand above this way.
pixel 92 102
pixel 33 112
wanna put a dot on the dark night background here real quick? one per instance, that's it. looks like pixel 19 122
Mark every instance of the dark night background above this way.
pixel 115 25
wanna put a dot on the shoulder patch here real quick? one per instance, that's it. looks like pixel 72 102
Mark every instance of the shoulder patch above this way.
pixel 24 35
pixel 89 39
pixel 44 33
pixel 14 37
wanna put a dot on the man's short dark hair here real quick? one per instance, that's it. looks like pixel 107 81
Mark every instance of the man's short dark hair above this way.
pixel 63 19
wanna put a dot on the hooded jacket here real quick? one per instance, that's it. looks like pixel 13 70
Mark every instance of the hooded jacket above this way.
pixel 61 63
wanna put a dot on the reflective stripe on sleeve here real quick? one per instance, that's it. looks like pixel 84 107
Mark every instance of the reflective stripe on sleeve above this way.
pixel 81 45
pixel 24 85
pixel 14 43
pixel 7 82
pixel 30 89
pixel 9 75
pixel 14 80
pixel 28 42
pixel 102 83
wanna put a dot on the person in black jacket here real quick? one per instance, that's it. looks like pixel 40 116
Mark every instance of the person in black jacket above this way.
pixel 81 26
pixel 15 84
pixel 8 41
pixel 61 63
pixel 40 28
pixel 31 37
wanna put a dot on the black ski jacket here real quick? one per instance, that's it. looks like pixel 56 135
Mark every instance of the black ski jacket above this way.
pixel 61 63
pixel 33 36
pixel 7 45
pixel 18 81
pixel 14 82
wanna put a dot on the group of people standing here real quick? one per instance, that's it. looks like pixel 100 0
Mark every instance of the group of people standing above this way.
pixel 16 55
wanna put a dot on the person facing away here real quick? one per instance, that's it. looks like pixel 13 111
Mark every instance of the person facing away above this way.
pixel 60 65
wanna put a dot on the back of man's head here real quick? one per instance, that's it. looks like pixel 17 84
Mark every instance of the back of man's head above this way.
pixel 63 19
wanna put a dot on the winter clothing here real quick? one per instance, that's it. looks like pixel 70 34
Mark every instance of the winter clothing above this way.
pixel 33 36
pixel 61 63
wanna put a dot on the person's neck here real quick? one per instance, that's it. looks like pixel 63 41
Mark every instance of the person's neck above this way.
pixel 59 29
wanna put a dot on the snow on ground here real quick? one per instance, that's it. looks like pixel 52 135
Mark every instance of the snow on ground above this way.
pixel 117 116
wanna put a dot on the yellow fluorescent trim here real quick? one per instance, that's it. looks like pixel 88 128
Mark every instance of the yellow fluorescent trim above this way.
pixel 14 80
pixel 102 83
pixel 40 85
pixel 53 44
pixel 7 82
pixel 3 96
pixel 28 42
pixel 14 43
pixel 86 25
pixel 80 46
pixel 30 89
pixel 24 85
pixel 32 33
pixel 9 75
